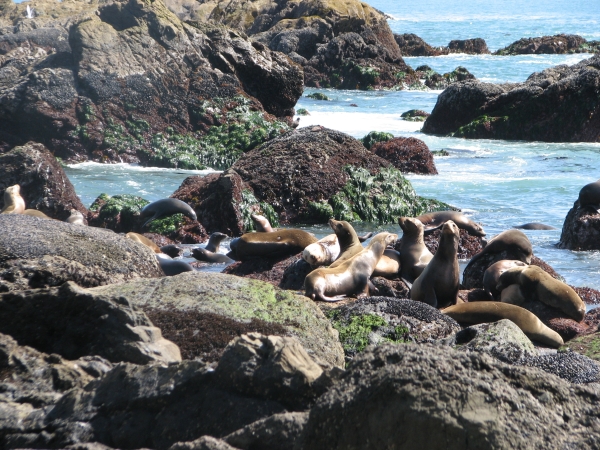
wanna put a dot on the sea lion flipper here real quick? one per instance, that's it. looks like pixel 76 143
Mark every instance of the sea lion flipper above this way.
pixel 430 297
pixel 365 236
pixel 431 228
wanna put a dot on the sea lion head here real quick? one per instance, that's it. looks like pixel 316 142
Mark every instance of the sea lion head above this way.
pixel 344 232
pixel 476 229
pixel 261 223
pixel 411 226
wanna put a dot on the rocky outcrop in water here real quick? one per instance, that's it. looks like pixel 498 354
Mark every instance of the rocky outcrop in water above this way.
pixel 413 45
pixel 581 229
pixel 550 45
pixel 559 104
pixel 408 155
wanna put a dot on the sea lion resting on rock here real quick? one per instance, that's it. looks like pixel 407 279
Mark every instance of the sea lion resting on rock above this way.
pixel 171 266
pixel 414 254
pixel 210 253
pixel 589 196
pixel 283 242
pixel 261 223
pixel 350 277
pixel 388 265
pixel 349 241
pixel 13 202
pixel 144 241
pixel 166 207
pixel 514 242
pixel 36 213
pixel 323 252
pixel 535 284
pixel 434 220
pixel 492 274
pixel 76 218
pixel 438 284
pixel 484 312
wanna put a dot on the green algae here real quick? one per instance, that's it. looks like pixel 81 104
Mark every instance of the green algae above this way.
pixel 302 112
pixel 588 345
pixel 166 225
pixel 376 136
pixel 319 212
pixel 318 96
pixel 440 153
pixel 414 115
pixel 250 204
pixel 481 126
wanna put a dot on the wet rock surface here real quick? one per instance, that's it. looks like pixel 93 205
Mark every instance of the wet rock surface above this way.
pixel 468 245
pixel 475 46
pixel 408 155
pixel 287 272
pixel 412 45
pixel 550 45
pixel 570 366
pixel 581 229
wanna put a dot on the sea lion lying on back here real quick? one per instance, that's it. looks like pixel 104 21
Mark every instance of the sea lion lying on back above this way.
pixel 323 252
pixel 13 202
pixel 283 242
pixel 414 254
pixel 36 213
pixel 350 277
pixel 434 220
pixel 76 218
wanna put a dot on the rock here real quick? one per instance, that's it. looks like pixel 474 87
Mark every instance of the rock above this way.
pixel 555 319
pixel 434 80
pixel 40 253
pixel 287 272
pixel 313 174
pixel 503 340
pixel 588 295
pixel 412 45
pixel 391 288
pixel 204 443
pixel 70 322
pixel 468 246
pixel 570 366
pixel 425 396
pixel 408 155
pixel 415 115
pixel 557 44
pixel 546 107
pixel 581 229
pixel 273 433
pixel 587 345
pixel 376 320
pixel 475 46
pixel 375 137
pixel 44 184
pixel 130 82
pixel 202 312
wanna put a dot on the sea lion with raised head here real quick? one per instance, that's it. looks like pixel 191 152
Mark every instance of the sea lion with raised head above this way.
pixel 474 313
pixel 434 220
pixel 349 241
pixel 144 241
pixel 589 196
pixel 261 223
pixel 201 254
pixel 492 274
pixel 166 207
pixel 438 284
pixel 283 242
pixel 414 254
pixel 171 250
pixel 534 226
pixel 514 242
pixel 535 284
pixel 76 218
pixel 350 277
pixel 13 202
pixel 214 241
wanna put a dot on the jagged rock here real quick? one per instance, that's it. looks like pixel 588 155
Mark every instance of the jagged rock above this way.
pixel 202 312
pixel 36 253
pixel 415 115
pixel 204 443
pixel 468 246
pixel 408 155
pixel 557 44
pixel 68 321
pixel 475 46
pixel 412 45
pixel 547 107
pixel 280 431
pixel 581 229
pixel 287 272
pixel 44 184
pixel 425 396
pixel 391 288
pixel 434 80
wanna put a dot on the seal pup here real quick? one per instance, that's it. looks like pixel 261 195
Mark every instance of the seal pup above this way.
pixel 285 241
pixel 348 239
pixel 534 226
pixel 13 202
pixel 171 250
pixel 201 254
pixel 414 254
pixel 485 312
pixel 76 218
pixel 166 207
pixel 589 196
pixel 173 267
pixel 261 223
pixel 36 213
pixel 323 252
pixel 144 241
pixel 388 265
pixel 434 220
pixel 438 284
pixel 492 274
pixel 538 285
pixel 214 241
pixel 350 277
pixel 514 242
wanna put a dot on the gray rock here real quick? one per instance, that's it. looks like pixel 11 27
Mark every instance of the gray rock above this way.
pixel 37 253
pixel 568 365
pixel 204 443
pixel 280 431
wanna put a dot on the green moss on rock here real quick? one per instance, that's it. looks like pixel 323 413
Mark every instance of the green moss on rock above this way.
pixel 250 205
pixel 318 96
pixel 166 225
pixel 319 212
pixel 302 112
pixel 588 345
pixel 481 127
pixel 124 207
pixel 376 136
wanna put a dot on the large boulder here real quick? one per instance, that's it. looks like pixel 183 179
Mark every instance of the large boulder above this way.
pixel 408 155
pixel 557 44
pixel 313 174
pixel 581 229
pixel 424 396
pixel 44 184
pixel 202 312
pixel 412 45
pixel 475 46
pixel 129 81
pixel 559 104
pixel 36 253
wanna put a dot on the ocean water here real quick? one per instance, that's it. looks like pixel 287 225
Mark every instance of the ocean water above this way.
pixel 498 183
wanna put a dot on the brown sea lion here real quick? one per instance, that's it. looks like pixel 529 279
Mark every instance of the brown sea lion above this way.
pixel 349 241
pixel 414 254
pixel 143 240
pixel 438 284
pixel 484 312
pixel 388 265
pixel 534 226
pixel 201 254
pixel 285 241
pixel 589 195
pixel 350 277
pixel 76 218
pixel 434 220
pixel 512 241
pixel 13 202
pixel 36 213
pixel 492 274
pixel 166 207
pixel 536 284
pixel 323 252
pixel 261 223
pixel 214 241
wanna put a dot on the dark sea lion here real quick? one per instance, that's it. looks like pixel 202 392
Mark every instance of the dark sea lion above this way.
pixel 511 241
pixel 348 239
pixel 536 284
pixel 438 284
pixel 13 202
pixel 323 252
pixel 166 207
pixel 283 242
pixel 485 312
pixel 350 277
pixel 388 265
pixel 201 254
pixel 76 218
pixel 171 250
pixel 434 220
pixel 589 195
pixel 492 274
pixel 36 213
pixel 214 241
pixel 534 226
pixel 261 223
pixel 144 241
pixel 414 254
pixel 173 267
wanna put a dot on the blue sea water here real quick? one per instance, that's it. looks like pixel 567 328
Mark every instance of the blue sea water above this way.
pixel 498 183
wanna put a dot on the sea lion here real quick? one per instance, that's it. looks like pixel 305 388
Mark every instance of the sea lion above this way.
pixel 171 250
pixel 350 277
pixel 36 213
pixel 13 202
pixel 201 254
pixel 323 252
pixel 166 207
pixel 348 239
pixel 484 312
pixel 414 254
pixel 513 242
pixel 286 241
pixel 438 284
pixel 261 223
pixel 214 241
pixel 434 220
pixel 388 265
pixel 76 218
pixel 534 226
pixel 143 240
pixel 589 195
pixel 491 275
pixel 536 284
pixel 173 267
